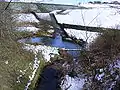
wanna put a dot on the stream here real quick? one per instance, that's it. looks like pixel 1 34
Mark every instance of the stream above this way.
pixel 50 76
pixel 73 48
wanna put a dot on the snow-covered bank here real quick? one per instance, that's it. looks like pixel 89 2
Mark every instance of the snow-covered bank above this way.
pixel 31 18
pixel 73 83
pixel 80 34
pixel 46 50
pixel 28 29
pixel 35 67
pixel 25 18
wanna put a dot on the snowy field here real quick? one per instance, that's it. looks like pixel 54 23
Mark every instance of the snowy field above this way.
pixel 95 17
pixel 98 16
pixel 25 18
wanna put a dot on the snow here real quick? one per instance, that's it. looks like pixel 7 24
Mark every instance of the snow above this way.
pixel 55 11
pixel 20 76
pixel 115 6
pixel 100 76
pixel 35 67
pixel 105 17
pixel 26 18
pixel 117 64
pixel 6 62
pixel 46 50
pixel 109 0
pixel 80 34
pixel 89 5
pixel 96 17
pixel 73 83
pixel 31 18
pixel 28 29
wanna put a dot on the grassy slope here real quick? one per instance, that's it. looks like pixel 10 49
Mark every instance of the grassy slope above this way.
pixel 12 57
pixel 17 59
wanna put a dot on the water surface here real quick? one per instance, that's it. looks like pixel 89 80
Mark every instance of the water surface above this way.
pixel 54 42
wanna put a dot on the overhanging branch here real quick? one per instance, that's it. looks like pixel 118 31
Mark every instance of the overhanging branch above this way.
pixel 8 5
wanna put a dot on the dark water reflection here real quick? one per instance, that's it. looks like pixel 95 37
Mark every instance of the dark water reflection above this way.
pixel 49 80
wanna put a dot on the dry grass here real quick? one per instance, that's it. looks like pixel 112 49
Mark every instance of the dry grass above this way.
pixel 12 57
pixel 102 52
pixel 107 45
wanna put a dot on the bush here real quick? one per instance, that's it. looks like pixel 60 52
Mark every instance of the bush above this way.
pixel 103 52
pixel 107 44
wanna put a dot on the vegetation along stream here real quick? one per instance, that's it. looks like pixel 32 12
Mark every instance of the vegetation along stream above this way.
pixel 51 77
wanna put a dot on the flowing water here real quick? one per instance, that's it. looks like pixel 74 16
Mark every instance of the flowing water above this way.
pixel 54 42
pixel 50 76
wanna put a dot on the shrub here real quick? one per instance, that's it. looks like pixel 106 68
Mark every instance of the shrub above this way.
pixel 107 45
pixel 103 52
